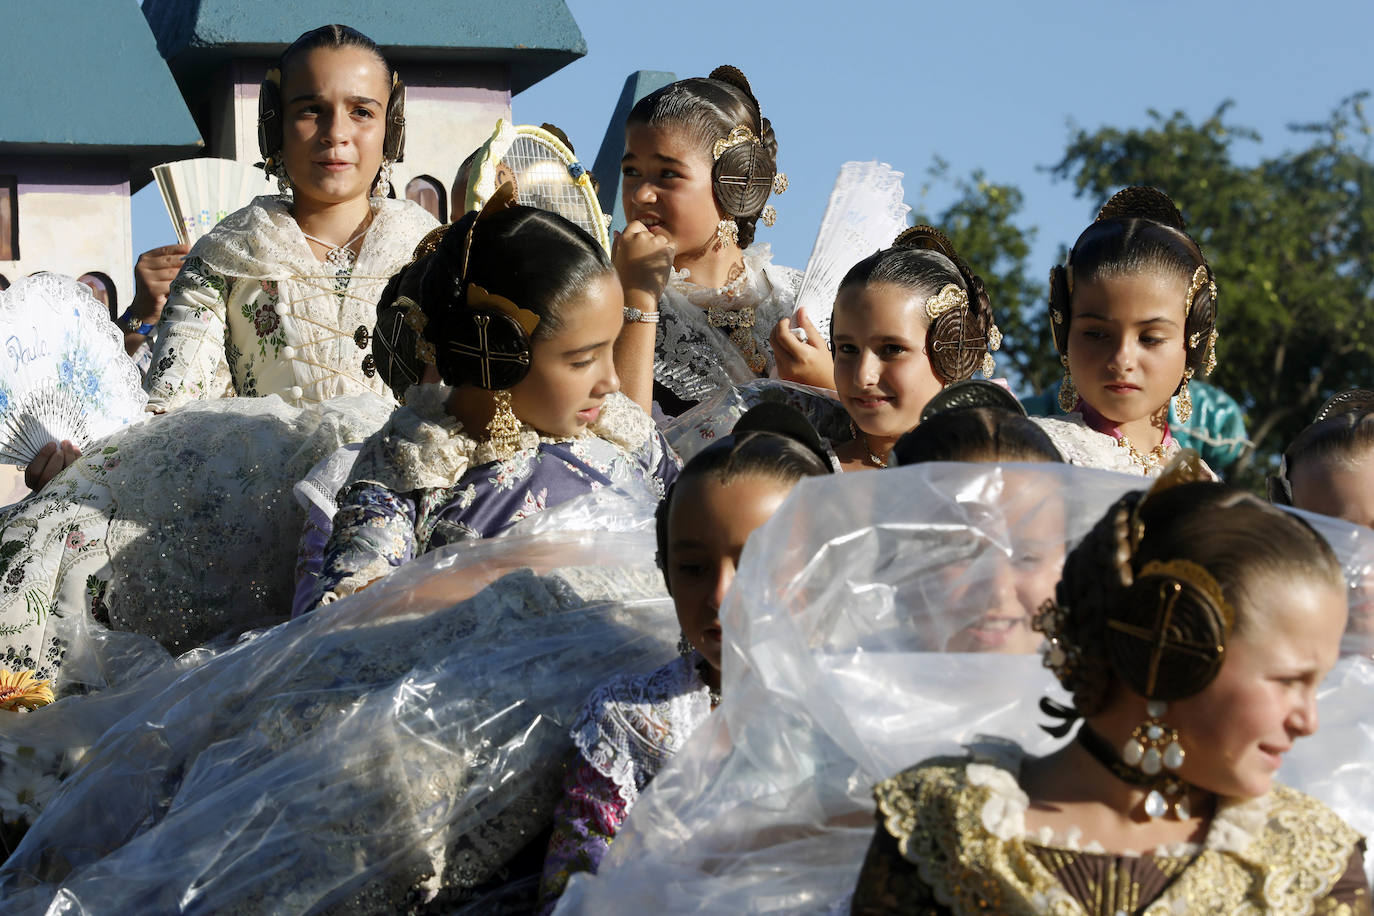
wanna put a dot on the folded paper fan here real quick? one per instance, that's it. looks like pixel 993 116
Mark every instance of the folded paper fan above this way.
pixel 864 214
pixel 64 373
pixel 545 173
pixel 199 193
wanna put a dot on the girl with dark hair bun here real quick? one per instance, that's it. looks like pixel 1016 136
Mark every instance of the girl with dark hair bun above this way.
pixel 268 301
pixel 1134 314
pixel 632 725
pixel 519 311
pixel 1329 467
pixel 1192 627
pixel 908 321
pixel 700 163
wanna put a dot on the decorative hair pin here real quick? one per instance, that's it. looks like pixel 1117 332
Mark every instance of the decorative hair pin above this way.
pixel 1200 279
pixel 741 134
pixel 951 297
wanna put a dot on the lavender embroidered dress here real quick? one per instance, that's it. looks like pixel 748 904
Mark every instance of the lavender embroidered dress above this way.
pixel 628 729
pixel 421 482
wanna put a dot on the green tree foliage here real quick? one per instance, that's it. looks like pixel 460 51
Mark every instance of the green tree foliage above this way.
pixel 1290 238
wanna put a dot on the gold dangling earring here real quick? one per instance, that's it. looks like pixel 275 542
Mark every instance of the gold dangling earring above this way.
pixel 504 429
pixel 1068 391
pixel 1184 405
pixel 727 232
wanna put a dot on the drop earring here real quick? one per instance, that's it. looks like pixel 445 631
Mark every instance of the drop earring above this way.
pixel 1152 749
pixel 1183 407
pixel 504 429
pixel 684 646
pixel 283 183
pixel 383 188
pixel 727 232
pixel 1068 391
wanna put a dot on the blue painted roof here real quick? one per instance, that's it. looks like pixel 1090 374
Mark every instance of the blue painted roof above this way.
pixel 607 168
pixel 534 37
pixel 84 77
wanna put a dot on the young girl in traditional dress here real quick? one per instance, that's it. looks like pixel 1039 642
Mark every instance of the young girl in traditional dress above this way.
pixel 268 302
pixel 1193 627
pixel 700 162
pixel 631 725
pixel 908 321
pixel 1134 319
pixel 519 310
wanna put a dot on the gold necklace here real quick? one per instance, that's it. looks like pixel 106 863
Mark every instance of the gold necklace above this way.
pixel 1150 462
pixel 863 439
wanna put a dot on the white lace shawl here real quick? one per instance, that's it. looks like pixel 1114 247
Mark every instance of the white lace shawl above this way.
pixel 422 447
pixel 693 359
pixel 261 246
pixel 632 725
pixel 1084 446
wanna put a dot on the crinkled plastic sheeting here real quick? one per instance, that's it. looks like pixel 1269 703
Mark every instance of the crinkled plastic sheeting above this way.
pixel 388 753
pixel 834 679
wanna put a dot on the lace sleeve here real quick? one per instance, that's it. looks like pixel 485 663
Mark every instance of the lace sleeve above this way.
pixel 187 363
pixel 584 823
pixel 374 532
pixel 889 884
pixel 1350 896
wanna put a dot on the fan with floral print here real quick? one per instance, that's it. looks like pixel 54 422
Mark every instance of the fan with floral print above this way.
pixel 64 373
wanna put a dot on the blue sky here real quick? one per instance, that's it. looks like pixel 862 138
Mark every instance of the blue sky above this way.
pixel 990 85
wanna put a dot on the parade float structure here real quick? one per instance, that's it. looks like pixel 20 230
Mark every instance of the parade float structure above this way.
pixel 90 109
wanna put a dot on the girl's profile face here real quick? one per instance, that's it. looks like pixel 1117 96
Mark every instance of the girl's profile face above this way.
pixel 334 102
pixel 1236 731
pixel 882 374
pixel 666 185
pixel 572 371
pixel 1126 343
pixel 708 523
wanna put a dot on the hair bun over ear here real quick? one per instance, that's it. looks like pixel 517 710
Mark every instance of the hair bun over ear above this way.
pixel 1144 203
pixel 735 77
pixel 781 420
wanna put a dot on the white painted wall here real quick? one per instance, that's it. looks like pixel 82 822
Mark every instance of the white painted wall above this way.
pixel 80 226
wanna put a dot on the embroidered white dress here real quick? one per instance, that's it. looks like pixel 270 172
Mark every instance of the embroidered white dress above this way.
pixel 254 312
pixel 708 337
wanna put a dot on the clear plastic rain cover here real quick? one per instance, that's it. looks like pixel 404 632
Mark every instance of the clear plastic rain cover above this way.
pixel 398 751
pixel 401 750
pixel 874 624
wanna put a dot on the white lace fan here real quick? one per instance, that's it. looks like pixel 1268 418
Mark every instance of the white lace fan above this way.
pixel 64 373
pixel 865 213
pixel 546 175
pixel 199 193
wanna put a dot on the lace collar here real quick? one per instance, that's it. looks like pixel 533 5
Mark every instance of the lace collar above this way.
pixel 995 767
pixel 262 241
pixel 748 289
pixel 422 447
pixel 633 724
